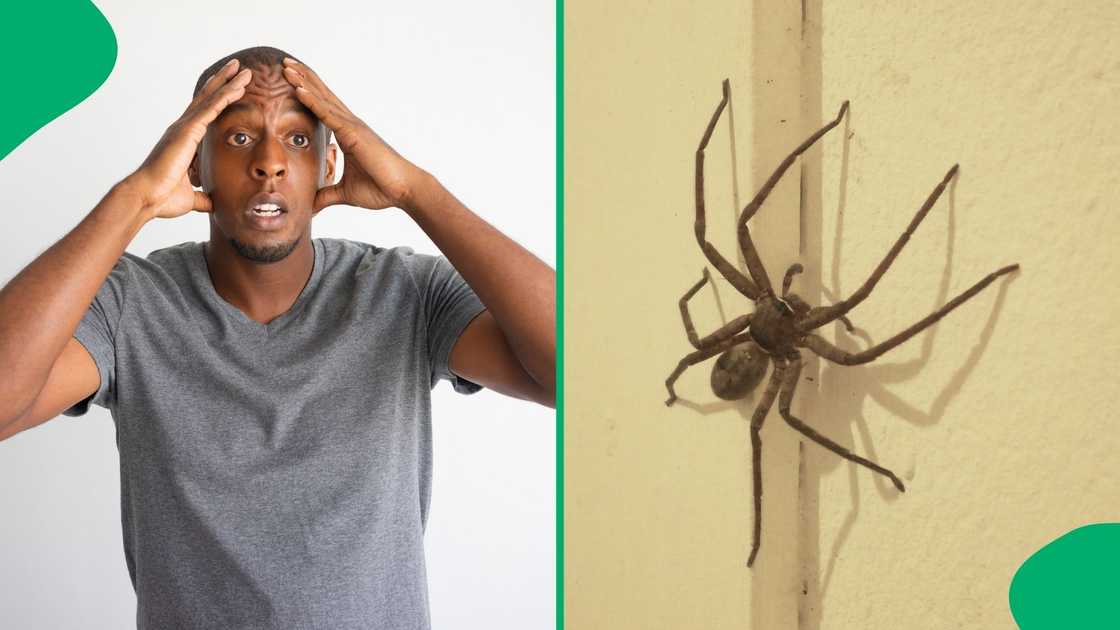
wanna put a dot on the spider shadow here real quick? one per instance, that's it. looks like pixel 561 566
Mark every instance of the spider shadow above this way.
pixel 851 390
pixel 849 387
pixel 712 407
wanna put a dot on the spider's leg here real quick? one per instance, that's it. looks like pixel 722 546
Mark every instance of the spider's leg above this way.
pixel 695 357
pixel 689 329
pixel 727 330
pixel 818 345
pixel 822 315
pixel 793 372
pixel 750 254
pixel 763 408
pixel 843 319
pixel 733 275
pixel 793 270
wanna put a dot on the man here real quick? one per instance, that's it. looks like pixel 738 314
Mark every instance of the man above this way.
pixel 271 391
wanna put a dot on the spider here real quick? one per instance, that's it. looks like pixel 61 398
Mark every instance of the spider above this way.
pixel 779 326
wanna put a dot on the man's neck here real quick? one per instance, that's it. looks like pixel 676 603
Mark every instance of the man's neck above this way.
pixel 263 291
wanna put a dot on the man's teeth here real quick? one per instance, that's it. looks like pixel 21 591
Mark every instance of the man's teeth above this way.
pixel 267 209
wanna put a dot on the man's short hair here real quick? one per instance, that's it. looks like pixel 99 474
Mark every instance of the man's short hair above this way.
pixel 249 57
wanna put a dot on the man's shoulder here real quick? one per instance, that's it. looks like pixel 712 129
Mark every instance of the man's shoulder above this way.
pixel 157 263
pixel 352 246
pixel 364 257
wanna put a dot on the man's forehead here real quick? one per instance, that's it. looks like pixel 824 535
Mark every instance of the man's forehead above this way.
pixel 250 105
pixel 267 91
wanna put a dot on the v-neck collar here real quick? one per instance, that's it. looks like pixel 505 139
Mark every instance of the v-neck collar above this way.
pixel 202 267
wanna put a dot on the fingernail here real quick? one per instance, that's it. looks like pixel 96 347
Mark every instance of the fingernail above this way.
pixel 231 62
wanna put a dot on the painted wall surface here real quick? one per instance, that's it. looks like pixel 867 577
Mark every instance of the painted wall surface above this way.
pixel 998 418
pixel 1001 418
pixel 658 499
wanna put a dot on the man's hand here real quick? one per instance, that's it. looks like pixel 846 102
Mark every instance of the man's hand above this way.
pixel 374 175
pixel 510 347
pixel 161 182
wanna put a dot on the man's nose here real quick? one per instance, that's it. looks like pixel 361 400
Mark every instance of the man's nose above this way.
pixel 269 160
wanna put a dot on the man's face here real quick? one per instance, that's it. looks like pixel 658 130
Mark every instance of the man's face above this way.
pixel 266 142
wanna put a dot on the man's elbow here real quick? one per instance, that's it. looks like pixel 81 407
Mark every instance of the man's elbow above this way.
pixel 544 395
pixel 549 400
pixel 547 381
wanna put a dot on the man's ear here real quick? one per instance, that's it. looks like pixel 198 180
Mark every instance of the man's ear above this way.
pixel 329 175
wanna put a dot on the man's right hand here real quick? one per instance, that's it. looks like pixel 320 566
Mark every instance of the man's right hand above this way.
pixel 161 183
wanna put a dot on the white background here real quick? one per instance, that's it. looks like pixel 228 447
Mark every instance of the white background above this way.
pixel 466 91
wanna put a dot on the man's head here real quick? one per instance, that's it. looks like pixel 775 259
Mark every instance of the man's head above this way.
pixel 265 143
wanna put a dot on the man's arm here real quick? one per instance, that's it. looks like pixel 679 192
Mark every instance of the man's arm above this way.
pixel 511 347
pixel 40 308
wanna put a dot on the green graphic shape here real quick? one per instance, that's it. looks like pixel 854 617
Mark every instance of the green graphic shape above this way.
pixel 1073 582
pixel 58 53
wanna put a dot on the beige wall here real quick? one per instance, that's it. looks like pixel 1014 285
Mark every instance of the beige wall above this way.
pixel 658 499
pixel 999 418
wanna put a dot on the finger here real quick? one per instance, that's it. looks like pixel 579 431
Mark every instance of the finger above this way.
pixel 328 196
pixel 304 71
pixel 229 93
pixel 217 80
pixel 216 92
pixel 299 81
pixel 301 78
pixel 323 110
pixel 202 202
pixel 295 78
pixel 312 81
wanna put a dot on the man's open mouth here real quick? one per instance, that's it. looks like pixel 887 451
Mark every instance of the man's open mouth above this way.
pixel 268 204
pixel 267 210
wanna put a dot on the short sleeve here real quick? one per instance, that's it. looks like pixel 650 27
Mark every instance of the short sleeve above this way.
pixel 449 305
pixel 97 332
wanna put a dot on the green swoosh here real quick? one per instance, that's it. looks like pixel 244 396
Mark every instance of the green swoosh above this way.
pixel 58 53
pixel 1072 583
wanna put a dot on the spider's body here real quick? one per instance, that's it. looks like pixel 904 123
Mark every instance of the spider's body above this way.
pixel 774 327
pixel 780 327
pixel 739 370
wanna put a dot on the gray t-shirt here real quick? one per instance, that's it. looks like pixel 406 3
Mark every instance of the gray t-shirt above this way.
pixel 277 475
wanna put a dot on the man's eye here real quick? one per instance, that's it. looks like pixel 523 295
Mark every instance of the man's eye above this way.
pixel 300 140
pixel 239 139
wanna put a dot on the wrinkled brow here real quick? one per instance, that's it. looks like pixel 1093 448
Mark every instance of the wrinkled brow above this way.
pixel 290 105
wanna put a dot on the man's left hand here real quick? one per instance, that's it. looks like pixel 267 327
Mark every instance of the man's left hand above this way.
pixel 374 175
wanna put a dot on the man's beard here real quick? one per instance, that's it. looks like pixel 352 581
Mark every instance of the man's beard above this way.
pixel 263 253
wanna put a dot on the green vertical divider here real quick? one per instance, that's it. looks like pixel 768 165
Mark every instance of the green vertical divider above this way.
pixel 560 314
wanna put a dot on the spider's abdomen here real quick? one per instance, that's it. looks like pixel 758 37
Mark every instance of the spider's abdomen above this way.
pixel 738 371
pixel 772 327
